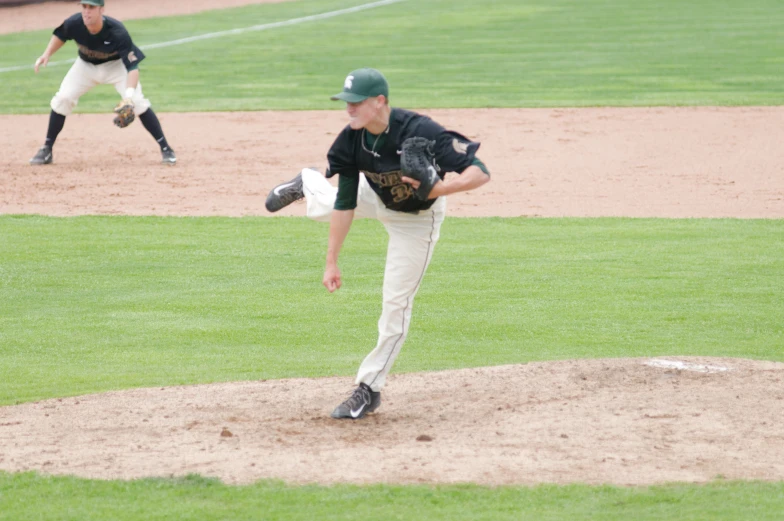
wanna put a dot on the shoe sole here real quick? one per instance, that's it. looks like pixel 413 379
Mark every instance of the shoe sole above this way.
pixel 349 417
pixel 276 201
pixel 274 204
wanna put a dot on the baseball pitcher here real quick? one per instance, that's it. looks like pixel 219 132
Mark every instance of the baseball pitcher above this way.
pixel 391 165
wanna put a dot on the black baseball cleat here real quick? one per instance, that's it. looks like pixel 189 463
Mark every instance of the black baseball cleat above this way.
pixel 169 158
pixel 362 401
pixel 284 194
pixel 43 156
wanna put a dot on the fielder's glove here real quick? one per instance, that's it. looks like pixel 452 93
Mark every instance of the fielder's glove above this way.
pixel 417 161
pixel 125 114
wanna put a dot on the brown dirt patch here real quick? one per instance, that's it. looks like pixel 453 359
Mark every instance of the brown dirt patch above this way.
pixel 593 421
pixel 637 162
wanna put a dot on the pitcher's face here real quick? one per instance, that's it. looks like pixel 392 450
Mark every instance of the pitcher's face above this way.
pixel 364 112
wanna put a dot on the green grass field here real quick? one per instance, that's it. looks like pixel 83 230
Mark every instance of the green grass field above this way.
pixel 438 53
pixel 198 499
pixel 98 303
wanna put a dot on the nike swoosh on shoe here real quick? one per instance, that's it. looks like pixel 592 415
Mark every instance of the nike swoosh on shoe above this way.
pixel 277 189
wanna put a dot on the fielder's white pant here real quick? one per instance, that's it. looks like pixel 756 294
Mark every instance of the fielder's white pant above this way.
pixel 83 76
pixel 412 238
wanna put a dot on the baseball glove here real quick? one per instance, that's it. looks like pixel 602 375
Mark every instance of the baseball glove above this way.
pixel 125 114
pixel 417 161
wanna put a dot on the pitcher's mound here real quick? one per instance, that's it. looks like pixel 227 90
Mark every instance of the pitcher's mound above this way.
pixel 621 421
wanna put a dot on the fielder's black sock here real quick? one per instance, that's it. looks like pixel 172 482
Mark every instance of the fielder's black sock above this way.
pixel 56 122
pixel 153 126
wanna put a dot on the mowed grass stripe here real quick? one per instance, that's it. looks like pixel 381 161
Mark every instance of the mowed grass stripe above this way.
pixel 197 499
pixel 98 303
pixel 447 54
pixel 239 30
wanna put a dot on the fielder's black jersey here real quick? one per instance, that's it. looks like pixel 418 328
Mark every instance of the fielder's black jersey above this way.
pixel 112 43
pixel 378 157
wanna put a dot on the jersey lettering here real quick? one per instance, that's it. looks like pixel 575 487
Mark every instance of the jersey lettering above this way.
pixel 95 55
pixel 402 192
pixel 386 179
pixel 392 180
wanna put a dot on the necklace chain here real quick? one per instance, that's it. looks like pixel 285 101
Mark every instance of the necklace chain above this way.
pixel 364 137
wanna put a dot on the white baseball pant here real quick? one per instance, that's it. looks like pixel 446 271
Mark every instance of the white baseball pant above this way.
pixel 412 238
pixel 83 76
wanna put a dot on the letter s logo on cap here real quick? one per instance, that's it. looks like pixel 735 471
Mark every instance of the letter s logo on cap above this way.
pixel 460 148
pixel 349 82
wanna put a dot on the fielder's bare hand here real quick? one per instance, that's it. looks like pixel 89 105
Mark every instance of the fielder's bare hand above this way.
pixel 41 62
pixel 332 278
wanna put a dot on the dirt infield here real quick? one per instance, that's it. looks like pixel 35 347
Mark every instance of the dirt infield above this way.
pixel 629 421
pixel 637 162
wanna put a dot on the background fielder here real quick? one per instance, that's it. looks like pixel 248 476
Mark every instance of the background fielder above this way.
pixel 107 55
pixel 367 157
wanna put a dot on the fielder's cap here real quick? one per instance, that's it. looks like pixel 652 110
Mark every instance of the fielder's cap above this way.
pixel 97 3
pixel 362 84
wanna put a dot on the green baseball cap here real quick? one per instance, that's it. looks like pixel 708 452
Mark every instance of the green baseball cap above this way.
pixel 362 84
pixel 97 3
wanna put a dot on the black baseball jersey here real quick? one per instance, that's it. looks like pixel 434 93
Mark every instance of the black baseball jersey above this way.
pixel 378 157
pixel 112 43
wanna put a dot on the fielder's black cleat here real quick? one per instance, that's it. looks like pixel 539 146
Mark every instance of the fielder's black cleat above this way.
pixel 284 194
pixel 43 156
pixel 362 401
pixel 169 158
